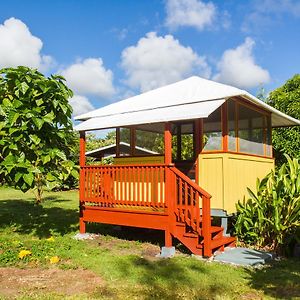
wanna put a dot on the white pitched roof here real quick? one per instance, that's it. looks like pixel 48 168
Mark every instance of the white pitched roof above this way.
pixel 191 98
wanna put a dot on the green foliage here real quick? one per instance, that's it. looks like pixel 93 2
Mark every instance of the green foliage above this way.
pixel 93 142
pixel 271 217
pixel 286 99
pixel 35 128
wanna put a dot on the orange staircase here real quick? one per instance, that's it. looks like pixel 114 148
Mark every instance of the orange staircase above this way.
pixel 192 225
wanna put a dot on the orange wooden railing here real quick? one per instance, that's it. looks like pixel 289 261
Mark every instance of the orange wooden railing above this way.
pixel 189 198
pixel 131 185
pixel 158 186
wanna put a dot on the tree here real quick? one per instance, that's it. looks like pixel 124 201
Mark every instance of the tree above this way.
pixel 287 99
pixel 35 127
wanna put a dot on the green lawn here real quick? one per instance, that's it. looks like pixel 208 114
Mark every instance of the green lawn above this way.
pixel 124 258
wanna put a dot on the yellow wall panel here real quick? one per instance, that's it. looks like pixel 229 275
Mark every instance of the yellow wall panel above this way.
pixel 227 176
pixel 211 178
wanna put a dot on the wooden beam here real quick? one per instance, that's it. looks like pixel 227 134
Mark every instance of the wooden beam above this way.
pixel 168 143
pixel 178 154
pixel 224 117
pixel 198 140
pixel 81 179
pixel 82 149
pixel 132 141
pixel 118 142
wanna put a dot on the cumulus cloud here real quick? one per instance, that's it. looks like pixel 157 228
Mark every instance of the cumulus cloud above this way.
pixel 80 105
pixel 155 61
pixel 237 67
pixel 192 13
pixel 90 77
pixel 19 47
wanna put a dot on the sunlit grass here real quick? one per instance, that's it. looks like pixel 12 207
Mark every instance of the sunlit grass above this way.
pixel 47 231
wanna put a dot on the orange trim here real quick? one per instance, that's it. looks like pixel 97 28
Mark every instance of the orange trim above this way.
pixel 168 143
pixel 118 142
pixel 126 218
pixel 82 148
pixel 239 153
pixel 265 134
pixel 224 119
pixel 143 155
pixel 251 105
pixel 236 115
pixel 197 139
pixel 132 141
pixel 127 165
pixel 178 154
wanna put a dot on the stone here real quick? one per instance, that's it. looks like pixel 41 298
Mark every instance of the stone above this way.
pixel 244 257
pixel 166 252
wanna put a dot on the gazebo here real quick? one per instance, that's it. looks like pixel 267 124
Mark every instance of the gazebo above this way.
pixel 211 142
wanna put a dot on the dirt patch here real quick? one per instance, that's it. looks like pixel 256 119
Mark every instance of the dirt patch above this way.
pixel 125 247
pixel 15 282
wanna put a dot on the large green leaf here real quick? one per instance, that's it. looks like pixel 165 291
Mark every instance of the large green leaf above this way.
pixel 28 178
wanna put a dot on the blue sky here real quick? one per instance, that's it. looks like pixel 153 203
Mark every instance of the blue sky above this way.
pixel 109 50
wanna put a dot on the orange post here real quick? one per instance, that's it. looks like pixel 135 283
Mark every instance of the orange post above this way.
pixel 81 180
pixel 117 142
pixel 198 137
pixel 169 198
pixel 206 226
pixel 168 144
pixel 224 117
pixel 82 149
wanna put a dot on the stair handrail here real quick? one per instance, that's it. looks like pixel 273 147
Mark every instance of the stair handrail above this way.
pixel 205 230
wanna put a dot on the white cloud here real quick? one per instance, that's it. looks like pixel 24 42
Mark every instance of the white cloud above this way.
pixel 80 105
pixel 237 67
pixel 264 13
pixel 19 47
pixel 89 77
pixel 157 61
pixel 193 13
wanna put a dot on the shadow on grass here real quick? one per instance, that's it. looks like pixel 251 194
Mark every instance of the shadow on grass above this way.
pixel 26 217
pixel 128 233
pixel 168 279
pixel 280 279
pixel 143 235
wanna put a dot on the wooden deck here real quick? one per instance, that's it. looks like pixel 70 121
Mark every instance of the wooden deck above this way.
pixel 150 196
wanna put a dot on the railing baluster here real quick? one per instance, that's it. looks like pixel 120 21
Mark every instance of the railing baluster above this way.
pixel 138 186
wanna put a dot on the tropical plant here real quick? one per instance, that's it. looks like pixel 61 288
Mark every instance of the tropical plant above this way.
pixel 35 128
pixel 271 217
pixel 286 99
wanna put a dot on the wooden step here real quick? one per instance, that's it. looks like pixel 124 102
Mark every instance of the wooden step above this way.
pixel 225 240
pixel 190 235
pixel 215 229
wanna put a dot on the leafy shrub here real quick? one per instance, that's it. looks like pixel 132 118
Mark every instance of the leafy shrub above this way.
pixel 271 217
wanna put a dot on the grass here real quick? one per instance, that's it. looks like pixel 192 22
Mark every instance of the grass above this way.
pixel 120 257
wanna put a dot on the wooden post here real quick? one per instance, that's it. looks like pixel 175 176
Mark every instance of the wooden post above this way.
pixel 82 149
pixel 81 181
pixel 118 142
pixel 206 226
pixel 170 200
pixel 198 140
pixel 178 154
pixel 168 238
pixel 168 143
pixel 169 196
pixel 132 141
pixel 224 117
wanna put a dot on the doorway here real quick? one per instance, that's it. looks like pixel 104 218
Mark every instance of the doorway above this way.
pixel 183 147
